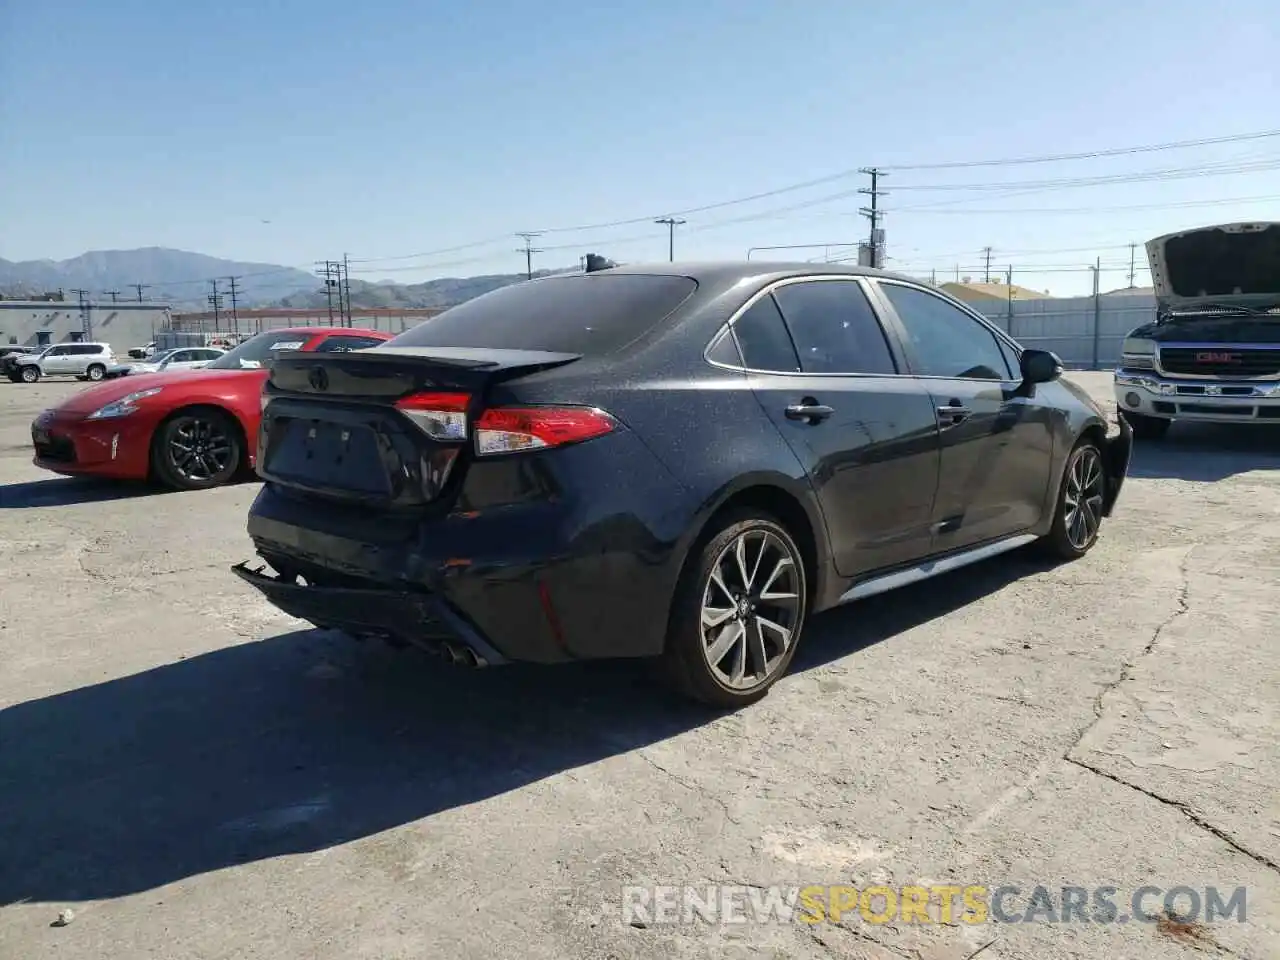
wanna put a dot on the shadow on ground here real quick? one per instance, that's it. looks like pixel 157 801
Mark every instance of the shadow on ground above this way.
pixel 245 753
pixel 1207 452
pixel 71 491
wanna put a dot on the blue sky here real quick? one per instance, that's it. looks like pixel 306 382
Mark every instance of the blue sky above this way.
pixel 386 129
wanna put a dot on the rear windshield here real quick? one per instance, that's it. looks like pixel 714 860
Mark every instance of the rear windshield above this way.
pixel 590 314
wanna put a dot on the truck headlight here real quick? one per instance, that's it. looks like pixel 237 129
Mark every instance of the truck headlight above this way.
pixel 1138 353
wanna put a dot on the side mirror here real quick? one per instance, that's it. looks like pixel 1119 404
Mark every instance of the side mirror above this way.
pixel 1040 366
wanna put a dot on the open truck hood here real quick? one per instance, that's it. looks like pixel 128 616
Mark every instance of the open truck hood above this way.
pixel 1235 264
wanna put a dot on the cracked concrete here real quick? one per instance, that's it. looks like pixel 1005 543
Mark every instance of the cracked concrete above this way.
pixel 197 775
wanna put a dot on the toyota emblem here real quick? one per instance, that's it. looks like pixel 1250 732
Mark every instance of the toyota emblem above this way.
pixel 318 378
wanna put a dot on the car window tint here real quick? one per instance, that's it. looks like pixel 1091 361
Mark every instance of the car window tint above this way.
pixel 592 314
pixel 763 338
pixel 834 328
pixel 945 341
pixel 343 343
pixel 725 351
pixel 1011 357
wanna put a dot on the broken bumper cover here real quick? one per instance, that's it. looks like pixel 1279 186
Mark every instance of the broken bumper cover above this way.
pixel 1117 452
pixel 420 620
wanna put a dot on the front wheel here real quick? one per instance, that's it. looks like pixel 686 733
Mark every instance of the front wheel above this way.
pixel 1147 428
pixel 1078 517
pixel 738 613
pixel 197 449
pixel 96 372
pixel 30 374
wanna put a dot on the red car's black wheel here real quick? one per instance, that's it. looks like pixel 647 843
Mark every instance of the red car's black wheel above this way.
pixel 197 448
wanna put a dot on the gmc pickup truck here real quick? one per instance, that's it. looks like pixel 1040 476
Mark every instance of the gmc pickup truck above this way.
pixel 1213 352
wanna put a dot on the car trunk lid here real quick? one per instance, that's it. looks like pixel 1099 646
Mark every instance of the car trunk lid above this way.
pixel 388 426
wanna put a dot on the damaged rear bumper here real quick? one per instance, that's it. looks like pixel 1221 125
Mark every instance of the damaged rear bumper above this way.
pixel 421 620
pixel 1117 452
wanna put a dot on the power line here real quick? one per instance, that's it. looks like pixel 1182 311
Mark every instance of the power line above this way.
pixel 1173 173
pixel 529 250
pixel 671 224
pixel 1090 154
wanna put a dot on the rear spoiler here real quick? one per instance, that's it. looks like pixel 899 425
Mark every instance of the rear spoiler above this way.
pixel 391 371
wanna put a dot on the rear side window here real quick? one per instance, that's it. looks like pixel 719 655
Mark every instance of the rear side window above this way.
pixel 834 328
pixel 763 338
pixel 591 314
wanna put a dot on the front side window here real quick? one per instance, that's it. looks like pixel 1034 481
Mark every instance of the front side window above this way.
pixel 945 341
pixel 834 328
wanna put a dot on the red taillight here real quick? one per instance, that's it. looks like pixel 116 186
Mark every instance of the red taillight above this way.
pixel 512 429
pixel 442 416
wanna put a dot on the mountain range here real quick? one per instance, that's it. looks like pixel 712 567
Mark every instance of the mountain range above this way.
pixel 182 279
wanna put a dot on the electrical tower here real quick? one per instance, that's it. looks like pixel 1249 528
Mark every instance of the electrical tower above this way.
pixel 1133 250
pixel 215 301
pixel 140 287
pixel 986 276
pixel 875 239
pixel 235 313
pixel 528 250
pixel 670 223
pixel 113 294
pixel 86 313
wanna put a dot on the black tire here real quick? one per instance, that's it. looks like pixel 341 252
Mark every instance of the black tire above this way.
pixel 1147 428
pixel 1077 515
pixel 96 372
pixel 692 638
pixel 197 448
pixel 29 374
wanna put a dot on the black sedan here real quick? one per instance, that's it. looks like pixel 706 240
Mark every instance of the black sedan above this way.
pixel 680 462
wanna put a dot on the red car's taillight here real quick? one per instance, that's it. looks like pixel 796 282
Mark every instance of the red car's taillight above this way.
pixel 443 416
pixel 512 429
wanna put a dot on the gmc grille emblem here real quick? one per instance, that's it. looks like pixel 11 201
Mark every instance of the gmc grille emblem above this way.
pixel 1212 356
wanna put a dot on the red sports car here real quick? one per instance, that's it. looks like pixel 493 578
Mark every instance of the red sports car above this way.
pixel 189 430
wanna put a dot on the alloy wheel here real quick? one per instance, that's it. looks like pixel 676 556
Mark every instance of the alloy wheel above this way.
pixel 199 448
pixel 1083 498
pixel 751 607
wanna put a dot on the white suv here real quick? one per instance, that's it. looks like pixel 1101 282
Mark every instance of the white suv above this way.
pixel 87 361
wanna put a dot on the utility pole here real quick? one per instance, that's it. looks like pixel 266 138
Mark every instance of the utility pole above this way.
pixel 1008 286
pixel 1097 307
pixel 346 285
pixel 987 274
pixel 113 294
pixel 528 250
pixel 215 301
pixel 933 277
pixel 1133 248
pixel 331 276
pixel 86 312
pixel 670 223
pixel 235 315
pixel 873 213
pixel 140 287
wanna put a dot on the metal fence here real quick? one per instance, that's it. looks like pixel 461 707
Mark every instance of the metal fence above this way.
pixel 1086 332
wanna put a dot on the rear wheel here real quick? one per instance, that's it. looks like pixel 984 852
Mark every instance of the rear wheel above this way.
pixel 30 373
pixel 1078 516
pixel 738 613
pixel 1147 428
pixel 196 449
pixel 96 371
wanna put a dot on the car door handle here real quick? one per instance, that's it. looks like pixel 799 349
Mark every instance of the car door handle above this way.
pixel 952 414
pixel 812 412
